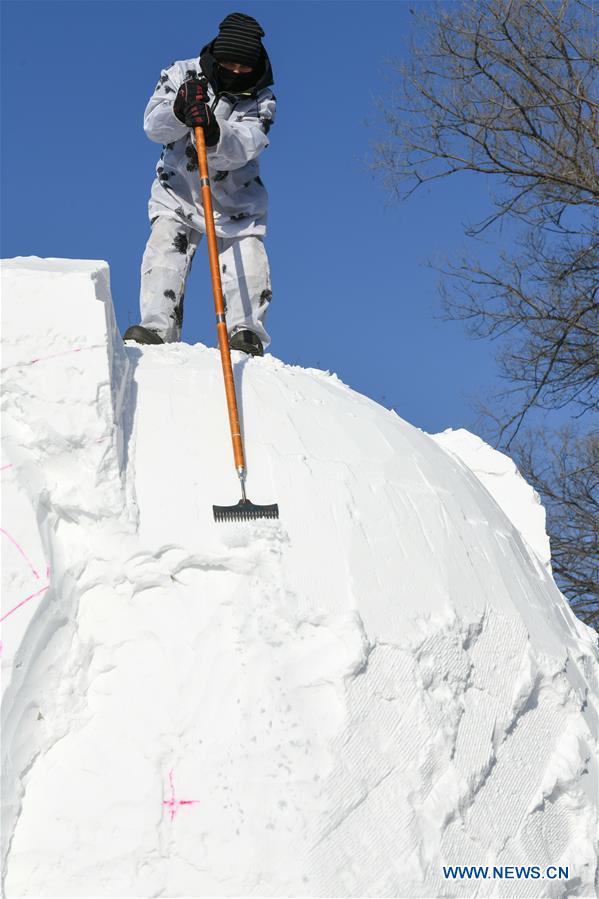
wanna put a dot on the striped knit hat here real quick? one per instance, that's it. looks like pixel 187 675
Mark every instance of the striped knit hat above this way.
pixel 238 40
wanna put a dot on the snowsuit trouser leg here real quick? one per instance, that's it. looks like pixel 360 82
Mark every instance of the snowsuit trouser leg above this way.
pixel 166 263
pixel 245 276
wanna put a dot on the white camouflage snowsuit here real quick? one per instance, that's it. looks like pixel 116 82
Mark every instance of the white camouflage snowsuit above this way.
pixel 239 200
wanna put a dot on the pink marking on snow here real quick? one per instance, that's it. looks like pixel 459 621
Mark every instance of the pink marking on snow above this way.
pixel 54 355
pixel 174 803
pixel 22 551
pixel 23 601
pixel 4 467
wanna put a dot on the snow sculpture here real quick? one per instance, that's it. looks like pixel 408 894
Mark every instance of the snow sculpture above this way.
pixel 383 682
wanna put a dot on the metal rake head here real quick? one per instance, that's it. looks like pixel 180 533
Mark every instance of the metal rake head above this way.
pixel 244 510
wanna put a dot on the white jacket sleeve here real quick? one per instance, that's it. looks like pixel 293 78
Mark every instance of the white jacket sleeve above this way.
pixel 243 138
pixel 160 122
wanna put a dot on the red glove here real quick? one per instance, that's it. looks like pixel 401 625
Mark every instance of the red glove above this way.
pixel 191 107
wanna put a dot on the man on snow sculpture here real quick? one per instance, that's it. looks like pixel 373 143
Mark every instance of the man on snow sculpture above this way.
pixel 225 92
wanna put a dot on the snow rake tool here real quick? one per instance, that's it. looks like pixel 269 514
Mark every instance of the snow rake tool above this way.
pixel 244 510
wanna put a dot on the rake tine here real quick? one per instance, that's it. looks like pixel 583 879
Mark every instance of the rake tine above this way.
pixel 244 510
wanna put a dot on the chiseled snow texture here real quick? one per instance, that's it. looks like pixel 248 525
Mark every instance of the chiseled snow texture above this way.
pixel 383 681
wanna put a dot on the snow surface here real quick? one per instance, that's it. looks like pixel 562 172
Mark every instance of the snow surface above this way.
pixel 337 703
pixel 498 473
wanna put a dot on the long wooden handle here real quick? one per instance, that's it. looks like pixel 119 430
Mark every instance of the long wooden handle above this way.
pixel 221 325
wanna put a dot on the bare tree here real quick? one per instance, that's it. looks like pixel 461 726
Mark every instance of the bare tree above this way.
pixel 504 88
pixel 567 474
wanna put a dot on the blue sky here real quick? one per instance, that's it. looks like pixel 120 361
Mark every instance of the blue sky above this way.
pixel 352 290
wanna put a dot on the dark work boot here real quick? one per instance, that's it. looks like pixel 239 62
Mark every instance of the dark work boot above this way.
pixel 247 342
pixel 142 335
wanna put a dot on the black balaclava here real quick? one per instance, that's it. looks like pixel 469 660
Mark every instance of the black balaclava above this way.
pixel 238 40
